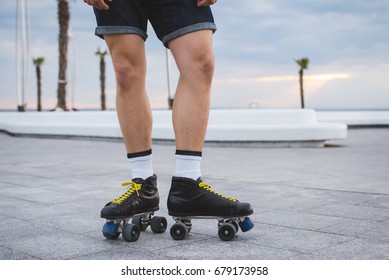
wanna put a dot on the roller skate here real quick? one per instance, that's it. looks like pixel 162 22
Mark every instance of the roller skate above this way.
pixel 139 202
pixel 189 199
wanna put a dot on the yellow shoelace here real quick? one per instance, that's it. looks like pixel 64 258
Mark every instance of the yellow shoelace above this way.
pixel 132 188
pixel 208 188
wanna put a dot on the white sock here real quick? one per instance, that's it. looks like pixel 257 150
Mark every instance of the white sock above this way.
pixel 141 164
pixel 188 164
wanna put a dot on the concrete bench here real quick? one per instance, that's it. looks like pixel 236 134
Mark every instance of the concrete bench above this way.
pixel 264 127
pixel 356 118
pixel 87 124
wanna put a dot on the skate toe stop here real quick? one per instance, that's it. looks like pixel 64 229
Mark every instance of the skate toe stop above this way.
pixel 246 224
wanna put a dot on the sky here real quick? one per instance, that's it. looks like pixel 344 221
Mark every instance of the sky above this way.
pixel 256 44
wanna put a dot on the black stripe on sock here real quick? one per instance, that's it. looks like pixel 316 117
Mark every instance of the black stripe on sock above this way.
pixel 189 153
pixel 139 154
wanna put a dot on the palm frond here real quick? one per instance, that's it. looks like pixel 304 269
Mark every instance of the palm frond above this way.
pixel 303 62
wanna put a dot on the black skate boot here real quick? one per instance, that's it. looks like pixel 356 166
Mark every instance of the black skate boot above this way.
pixel 189 199
pixel 139 202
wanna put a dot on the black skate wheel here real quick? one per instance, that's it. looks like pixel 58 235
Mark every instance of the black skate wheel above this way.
pixel 138 221
pixel 179 231
pixel 236 225
pixel 110 230
pixel 158 224
pixel 227 232
pixel 131 232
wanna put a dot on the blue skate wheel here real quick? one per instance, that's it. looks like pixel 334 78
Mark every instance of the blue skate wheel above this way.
pixel 110 230
pixel 246 224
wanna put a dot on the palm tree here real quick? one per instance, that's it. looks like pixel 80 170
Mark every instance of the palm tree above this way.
pixel 102 76
pixel 38 62
pixel 303 63
pixel 63 20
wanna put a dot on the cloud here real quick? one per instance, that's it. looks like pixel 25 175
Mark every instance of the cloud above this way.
pixel 255 46
pixel 285 29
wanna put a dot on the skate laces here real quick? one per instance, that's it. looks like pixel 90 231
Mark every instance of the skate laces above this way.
pixel 132 188
pixel 208 188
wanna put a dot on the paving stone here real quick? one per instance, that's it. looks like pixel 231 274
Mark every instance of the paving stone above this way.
pixel 301 241
pixel 12 254
pixel 368 229
pixel 75 223
pixel 298 220
pixel 125 253
pixel 381 201
pixel 19 179
pixel 12 229
pixel 358 212
pixel 31 210
pixel 215 249
pixel 356 249
pixel 58 245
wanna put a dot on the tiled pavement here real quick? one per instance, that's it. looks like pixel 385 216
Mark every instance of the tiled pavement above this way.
pixel 310 203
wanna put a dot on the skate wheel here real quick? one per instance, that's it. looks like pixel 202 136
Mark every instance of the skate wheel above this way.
pixel 110 230
pixel 179 231
pixel 246 224
pixel 131 232
pixel 227 232
pixel 236 225
pixel 158 224
pixel 138 221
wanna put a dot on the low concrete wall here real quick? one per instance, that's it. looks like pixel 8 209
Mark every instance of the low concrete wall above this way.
pixel 356 118
pixel 282 127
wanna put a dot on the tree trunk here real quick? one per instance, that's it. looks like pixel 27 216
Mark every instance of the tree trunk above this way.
pixel 63 19
pixel 21 108
pixel 102 82
pixel 301 72
pixel 39 87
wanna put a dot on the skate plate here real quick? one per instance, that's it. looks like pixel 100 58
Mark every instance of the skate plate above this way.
pixel 227 226
pixel 131 231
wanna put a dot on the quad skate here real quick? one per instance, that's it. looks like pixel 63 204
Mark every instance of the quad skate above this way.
pixel 138 203
pixel 227 226
pixel 131 231
pixel 189 199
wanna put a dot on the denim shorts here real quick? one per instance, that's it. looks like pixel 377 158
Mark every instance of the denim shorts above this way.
pixel 169 18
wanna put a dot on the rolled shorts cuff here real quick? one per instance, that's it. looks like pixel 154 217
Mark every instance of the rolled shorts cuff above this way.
pixel 189 29
pixel 103 30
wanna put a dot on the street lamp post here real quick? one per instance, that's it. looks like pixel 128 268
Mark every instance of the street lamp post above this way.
pixel 22 53
pixel 168 73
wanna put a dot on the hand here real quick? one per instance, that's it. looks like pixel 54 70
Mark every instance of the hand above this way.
pixel 203 3
pixel 98 4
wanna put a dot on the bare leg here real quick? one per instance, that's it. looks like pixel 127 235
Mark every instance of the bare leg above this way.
pixel 195 61
pixel 132 104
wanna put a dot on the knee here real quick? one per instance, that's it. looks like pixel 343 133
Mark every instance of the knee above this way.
pixel 128 75
pixel 201 66
pixel 206 64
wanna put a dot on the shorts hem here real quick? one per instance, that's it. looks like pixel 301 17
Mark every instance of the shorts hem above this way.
pixel 189 29
pixel 103 30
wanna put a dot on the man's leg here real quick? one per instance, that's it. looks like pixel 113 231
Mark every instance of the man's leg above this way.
pixel 132 104
pixel 194 57
pixel 195 60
